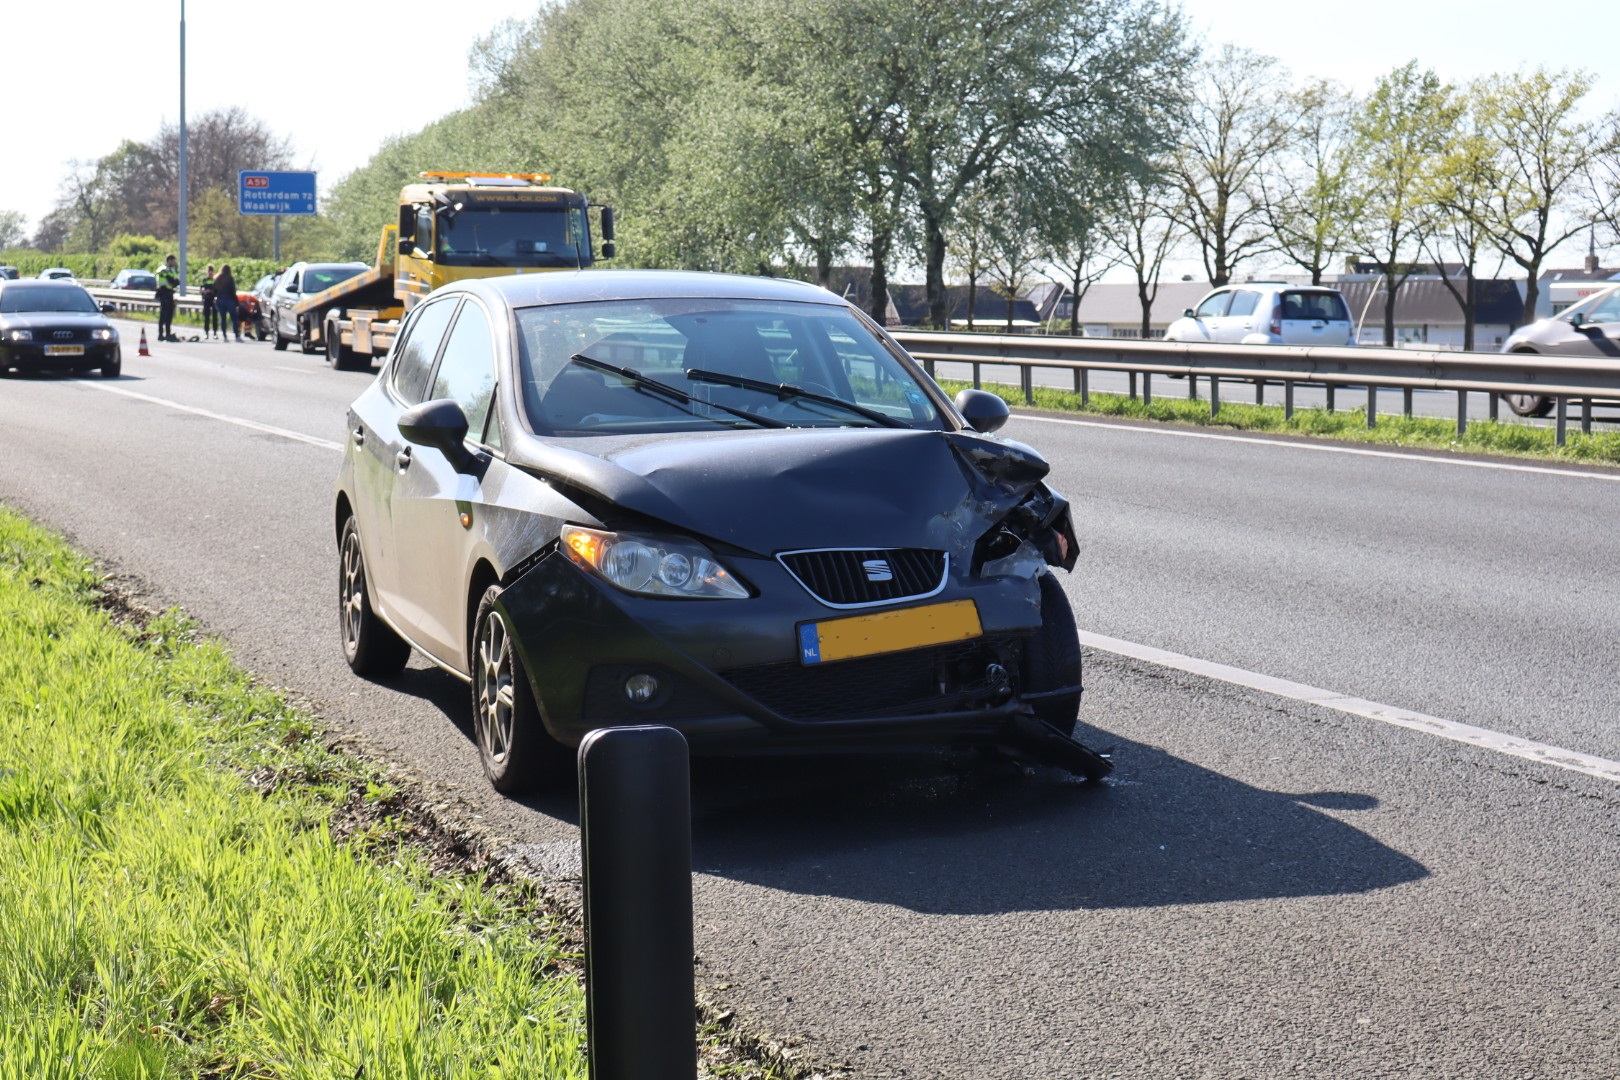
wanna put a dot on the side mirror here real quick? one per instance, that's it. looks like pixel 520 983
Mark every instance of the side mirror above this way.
pixel 109 308
pixel 1188 314
pixel 1577 320
pixel 984 411
pixel 440 424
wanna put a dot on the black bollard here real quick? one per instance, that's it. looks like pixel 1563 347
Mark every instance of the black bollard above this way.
pixel 635 817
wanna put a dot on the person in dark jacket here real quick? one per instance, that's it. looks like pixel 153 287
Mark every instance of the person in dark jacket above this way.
pixel 225 301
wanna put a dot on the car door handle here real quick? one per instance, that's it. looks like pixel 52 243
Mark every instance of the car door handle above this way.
pixel 402 460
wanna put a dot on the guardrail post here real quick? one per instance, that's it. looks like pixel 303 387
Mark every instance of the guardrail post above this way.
pixel 1561 426
pixel 1462 413
pixel 1085 386
pixel 1259 391
pixel 1192 388
pixel 1288 400
pixel 1147 388
pixel 1027 377
pixel 1372 405
pixel 1586 416
pixel 1214 394
pixel 977 382
pixel 635 826
pixel 1406 404
pixel 1133 385
pixel 1330 392
pixel 1496 402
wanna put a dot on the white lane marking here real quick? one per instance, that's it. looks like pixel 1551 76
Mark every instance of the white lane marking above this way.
pixel 1292 445
pixel 251 425
pixel 300 370
pixel 1602 768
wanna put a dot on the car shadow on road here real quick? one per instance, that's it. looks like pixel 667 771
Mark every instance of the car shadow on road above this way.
pixel 964 834
pixel 986 838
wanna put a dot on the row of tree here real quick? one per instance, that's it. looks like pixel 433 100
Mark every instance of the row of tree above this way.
pixel 986 140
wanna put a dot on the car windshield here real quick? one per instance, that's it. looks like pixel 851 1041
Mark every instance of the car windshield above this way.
pixel 317 278
pixel 19 298
pixel 508 236
pixel 769 350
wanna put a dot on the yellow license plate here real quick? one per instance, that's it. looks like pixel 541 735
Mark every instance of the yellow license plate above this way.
pixel 64 350
pixel 888 631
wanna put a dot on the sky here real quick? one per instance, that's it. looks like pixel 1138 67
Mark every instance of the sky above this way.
pixel 83 76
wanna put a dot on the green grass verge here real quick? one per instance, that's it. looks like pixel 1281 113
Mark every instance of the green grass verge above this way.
pixel 174 901
pixel 1482 436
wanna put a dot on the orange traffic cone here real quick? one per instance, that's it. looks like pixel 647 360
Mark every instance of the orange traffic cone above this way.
pixel 144 351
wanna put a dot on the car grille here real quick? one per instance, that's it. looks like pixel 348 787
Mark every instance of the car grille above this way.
pixel 859 577
pixel 899 684
pixel 56 337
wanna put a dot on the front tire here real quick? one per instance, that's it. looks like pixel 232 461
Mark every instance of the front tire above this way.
pixel 518 753
pixel 1052 659
pixel 369 645
pixel 306 336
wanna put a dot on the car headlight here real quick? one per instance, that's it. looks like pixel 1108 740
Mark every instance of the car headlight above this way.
pixel 19 335
pixel 652 565
pixel 105 333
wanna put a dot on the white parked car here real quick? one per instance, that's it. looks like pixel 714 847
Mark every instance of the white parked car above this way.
pixel 1267 313
pixel 56 273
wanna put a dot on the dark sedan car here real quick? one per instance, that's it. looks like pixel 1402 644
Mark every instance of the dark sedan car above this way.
pixel 729 505
pixel 55 326
pixel 133 279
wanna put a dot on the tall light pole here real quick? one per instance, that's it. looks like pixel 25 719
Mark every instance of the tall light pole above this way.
pixel 185 274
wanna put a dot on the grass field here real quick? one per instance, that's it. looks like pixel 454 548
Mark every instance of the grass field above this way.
pixel 187 892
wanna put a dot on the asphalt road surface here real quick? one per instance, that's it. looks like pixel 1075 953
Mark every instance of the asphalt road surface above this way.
pixel 1273 883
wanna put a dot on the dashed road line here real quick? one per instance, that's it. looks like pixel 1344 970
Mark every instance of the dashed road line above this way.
pixel 251 425
pixel 1557 756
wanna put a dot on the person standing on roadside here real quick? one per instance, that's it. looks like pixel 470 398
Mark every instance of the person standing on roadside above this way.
pixel 225 302
pixel 168 280
pixel 211 316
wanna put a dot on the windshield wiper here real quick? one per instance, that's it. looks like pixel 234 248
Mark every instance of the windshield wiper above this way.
pixel 786 391
pixel 654 386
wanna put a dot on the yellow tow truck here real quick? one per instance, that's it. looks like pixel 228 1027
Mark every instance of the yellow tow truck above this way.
pixel 453 225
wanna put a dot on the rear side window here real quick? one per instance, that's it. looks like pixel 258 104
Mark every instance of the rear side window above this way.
pixel 1214 307
pixel 1315 305
pixel 413 360
pixel 1243 302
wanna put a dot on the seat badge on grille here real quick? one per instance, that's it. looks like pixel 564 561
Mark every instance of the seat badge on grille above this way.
pixel 877 570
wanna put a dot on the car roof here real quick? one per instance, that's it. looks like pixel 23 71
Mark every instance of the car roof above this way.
pixel 578 286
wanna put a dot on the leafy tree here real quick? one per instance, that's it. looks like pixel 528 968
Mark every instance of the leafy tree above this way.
pixel 1234 132
pixel 1399 135
pixel 13 229
pixel 1460 187
pixel 1313 195
pixel 1543 149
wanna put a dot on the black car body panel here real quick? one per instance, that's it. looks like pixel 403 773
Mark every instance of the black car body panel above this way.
pixel 833 526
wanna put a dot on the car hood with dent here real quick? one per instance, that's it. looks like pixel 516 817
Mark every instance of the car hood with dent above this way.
pixel 774 490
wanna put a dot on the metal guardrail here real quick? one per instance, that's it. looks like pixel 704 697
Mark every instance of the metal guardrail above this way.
pixel 1562 378
pixel 144 300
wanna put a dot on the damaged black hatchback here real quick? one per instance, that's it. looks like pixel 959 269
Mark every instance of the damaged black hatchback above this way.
pixel 729 505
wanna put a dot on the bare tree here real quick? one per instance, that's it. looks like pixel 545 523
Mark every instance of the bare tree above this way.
pixel 1142 236
pixel 1460 187
pixel 1313 198
pixel 1234 132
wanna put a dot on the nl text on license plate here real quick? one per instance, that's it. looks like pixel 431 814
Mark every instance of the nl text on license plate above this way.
pixel 64 350
pixel 888 631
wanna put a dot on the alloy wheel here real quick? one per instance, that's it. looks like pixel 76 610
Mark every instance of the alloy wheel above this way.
pixel 495 694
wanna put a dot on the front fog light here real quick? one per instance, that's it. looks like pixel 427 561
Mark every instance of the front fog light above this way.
pixel 641 688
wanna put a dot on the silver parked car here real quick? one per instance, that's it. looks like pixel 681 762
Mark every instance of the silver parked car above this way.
pixel 296 282
pixel 1589 328
pixel 1267 313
